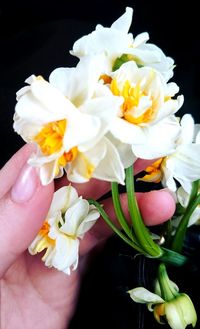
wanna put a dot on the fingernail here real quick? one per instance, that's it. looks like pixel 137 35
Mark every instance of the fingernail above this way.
pixel 25 185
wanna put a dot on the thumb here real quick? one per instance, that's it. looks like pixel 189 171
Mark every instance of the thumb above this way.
pixel 24 204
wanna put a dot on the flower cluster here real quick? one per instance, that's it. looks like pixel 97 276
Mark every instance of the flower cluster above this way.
pixel 95 120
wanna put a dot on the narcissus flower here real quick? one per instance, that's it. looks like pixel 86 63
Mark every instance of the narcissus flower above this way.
pixel 167 304
pixel 146 118
pixel 44 116
pixel 64 133
pixel 178 312
pixel 183 165
pixel 115 42
pixel 69 218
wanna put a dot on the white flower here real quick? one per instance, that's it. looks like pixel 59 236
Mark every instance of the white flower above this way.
pixel 116 41
pixel 183 165
pixel 46 117
pixel 82 86
pixel 178 312
pixel 145 120
pixel 69 218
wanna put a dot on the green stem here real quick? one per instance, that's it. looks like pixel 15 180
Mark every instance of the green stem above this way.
pixel 168 292
pixel 195 190
pixel 119 212
pixel 141 232
pixel 173 258
pixel 177 243
pixel 167 232
pixel 113 226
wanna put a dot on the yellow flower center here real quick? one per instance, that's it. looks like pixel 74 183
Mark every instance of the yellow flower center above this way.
pixel 50 138
pixel 159 311
pixel 45 242
pixel 44 229
pixel 106 78
pixel 66 157
pixel 132 96
pixel 154 172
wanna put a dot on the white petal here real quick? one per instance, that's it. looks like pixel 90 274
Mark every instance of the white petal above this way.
pixel 140 39
pixel 63 199
pixel 32 110
pixel 158 140
pixel 183 197
pixel 103 40
pixel 187 129
pixel 144 56
pixel 125 151
pixel 78 83
pixel 123 23
pixel 106 109
pixel 186 162
pixel 127 132
pixel 81 129
pixel 74 217
pixel 142 295
pixel 195 217
pixel 66 254
pixel 82 168
pixel 88 222
pixel 168 180
pixel 50 97
pixel 174 316
pixel 110 167
pixel 171 89
pixel 47 166
pixel 170 107
pixel 27 130
pixel 43 103
pixel 48 172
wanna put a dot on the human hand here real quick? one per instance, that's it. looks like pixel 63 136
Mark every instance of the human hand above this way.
pixel 32 294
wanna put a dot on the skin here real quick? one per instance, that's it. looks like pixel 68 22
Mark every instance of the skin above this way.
pixel 31 293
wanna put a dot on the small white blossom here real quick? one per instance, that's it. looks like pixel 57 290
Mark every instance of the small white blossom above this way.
pixel 44 116
pixel 69 218
pixel 178 312
pixel 146 119
pixel 65 127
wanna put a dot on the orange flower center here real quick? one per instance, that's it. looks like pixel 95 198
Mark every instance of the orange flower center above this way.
pixel 50 138
pixel 153 172
pixel 132 96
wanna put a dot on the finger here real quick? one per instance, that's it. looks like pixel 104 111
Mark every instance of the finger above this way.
pixel 23 207
pixel 156 207
pixel 95 189
pixel 7 174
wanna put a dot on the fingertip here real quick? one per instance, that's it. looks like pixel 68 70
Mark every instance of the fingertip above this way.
pixel 156 206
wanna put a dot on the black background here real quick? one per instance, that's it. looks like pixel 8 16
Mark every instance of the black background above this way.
pixel 35 38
